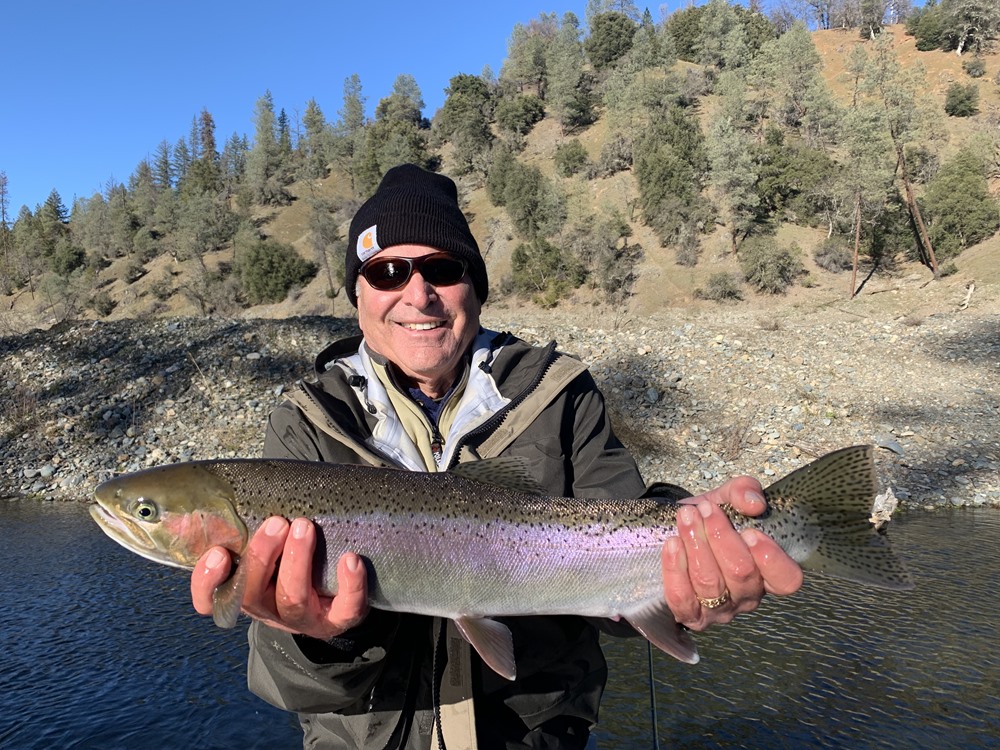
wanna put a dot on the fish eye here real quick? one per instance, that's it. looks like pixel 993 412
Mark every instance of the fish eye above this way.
pixel 144 510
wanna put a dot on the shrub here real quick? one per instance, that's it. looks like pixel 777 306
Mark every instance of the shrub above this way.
pixel 539 269
pixel 67 258
pixel 518 114
pixel 962 100
pixel 688 245
pixel 163 287
pixel 269 269
pixel 570 158
pixel 616 156
pixel 768 267
pixel 975 67
pixel 722 287
pixel 102 304
pixel 834 254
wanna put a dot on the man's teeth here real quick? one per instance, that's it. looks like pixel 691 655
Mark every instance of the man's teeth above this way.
pixel 420 326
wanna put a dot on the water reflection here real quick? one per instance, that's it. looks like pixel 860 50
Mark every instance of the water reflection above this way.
pixel 837 666
pixel 101 650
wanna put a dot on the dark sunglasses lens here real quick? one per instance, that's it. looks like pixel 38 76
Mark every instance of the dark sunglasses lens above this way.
pixel 442 270
pixel 386 274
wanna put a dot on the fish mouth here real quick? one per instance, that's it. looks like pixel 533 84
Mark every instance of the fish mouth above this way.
pixel 128 535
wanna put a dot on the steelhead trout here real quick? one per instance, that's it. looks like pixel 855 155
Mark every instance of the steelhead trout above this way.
pixel 480 542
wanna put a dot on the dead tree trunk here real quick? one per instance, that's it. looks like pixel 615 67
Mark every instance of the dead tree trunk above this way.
pixel 927 250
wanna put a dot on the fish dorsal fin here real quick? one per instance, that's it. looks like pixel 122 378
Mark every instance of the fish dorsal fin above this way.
pixel 492 641
pixel 228 598
pixel 656 622
pixel 503 471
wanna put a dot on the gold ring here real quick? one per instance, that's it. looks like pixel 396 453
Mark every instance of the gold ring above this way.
pixel 716 602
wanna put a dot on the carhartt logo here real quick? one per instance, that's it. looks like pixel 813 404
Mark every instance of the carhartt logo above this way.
pixel 367 244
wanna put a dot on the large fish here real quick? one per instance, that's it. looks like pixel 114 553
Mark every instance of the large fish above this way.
pixel 480 541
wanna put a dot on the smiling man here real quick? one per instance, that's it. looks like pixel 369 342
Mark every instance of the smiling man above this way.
pixel 423 388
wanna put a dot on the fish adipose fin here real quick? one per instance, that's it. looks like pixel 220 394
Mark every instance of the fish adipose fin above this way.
pixel 492 641
pixel 656 622
pixel 228 598
pixel 827 505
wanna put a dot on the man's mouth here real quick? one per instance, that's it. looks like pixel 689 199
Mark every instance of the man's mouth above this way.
pixel 422 326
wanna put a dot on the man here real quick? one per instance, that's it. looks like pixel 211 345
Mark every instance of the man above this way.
pixel 424 388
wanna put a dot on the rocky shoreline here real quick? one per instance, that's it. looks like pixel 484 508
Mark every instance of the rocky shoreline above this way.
pixel 698 395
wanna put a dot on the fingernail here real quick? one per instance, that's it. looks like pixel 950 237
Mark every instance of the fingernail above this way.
pixel 750 537
pixel 215 558
pixel 673 554
pixel 755 498
pixel 705 508
pixel 353 563
pixel 274 526
pixel 299 527
pixel 686 515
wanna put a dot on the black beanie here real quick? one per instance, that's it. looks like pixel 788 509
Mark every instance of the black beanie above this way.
pixel 412 207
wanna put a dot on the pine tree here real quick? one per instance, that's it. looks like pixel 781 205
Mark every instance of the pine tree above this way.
pixel 315 146
pixel 204 175
pixel 734 173
pixel 163 168
pixel 465 121
pixel 611 36
pixel 960 208
pixel 348 133
pixel 569 97
pixel 266 176
pixel 525 66
pixel 898 91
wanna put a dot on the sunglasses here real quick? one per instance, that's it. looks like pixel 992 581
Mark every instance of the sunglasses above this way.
pixel 438 269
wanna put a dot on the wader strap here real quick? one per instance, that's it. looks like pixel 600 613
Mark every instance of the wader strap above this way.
pixel 458 718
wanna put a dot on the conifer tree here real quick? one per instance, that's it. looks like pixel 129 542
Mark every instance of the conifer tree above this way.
pixel 163 167
pixel 315 146
pixel 526 66
pixel 569 92
pixel 266 176
pixel 898 91
pixel 465 121
pixel 348 133
pixel 204 175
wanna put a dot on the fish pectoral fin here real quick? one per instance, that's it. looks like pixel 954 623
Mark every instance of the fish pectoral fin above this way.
pixel 492 641
pixel 657 624
pixel 228 598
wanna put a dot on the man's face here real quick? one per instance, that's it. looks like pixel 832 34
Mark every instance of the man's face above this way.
pixel 424 330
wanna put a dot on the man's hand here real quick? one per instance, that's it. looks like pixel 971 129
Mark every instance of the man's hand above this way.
pixel 711 572
pixel 287 601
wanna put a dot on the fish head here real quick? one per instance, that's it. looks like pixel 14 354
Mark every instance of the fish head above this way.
pixel 170 514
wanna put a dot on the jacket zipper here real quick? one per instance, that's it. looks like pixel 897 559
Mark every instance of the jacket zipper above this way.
pixel 494 422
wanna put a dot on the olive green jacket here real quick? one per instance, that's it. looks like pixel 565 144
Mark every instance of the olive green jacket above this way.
pixel 379 684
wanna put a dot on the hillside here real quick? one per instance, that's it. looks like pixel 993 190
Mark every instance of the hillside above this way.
pixel 662 284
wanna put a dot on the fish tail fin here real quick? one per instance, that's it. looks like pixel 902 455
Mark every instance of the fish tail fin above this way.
pixel 228 598
pixel 820 514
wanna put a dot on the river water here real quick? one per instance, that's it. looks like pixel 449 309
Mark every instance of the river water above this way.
pixel 99 650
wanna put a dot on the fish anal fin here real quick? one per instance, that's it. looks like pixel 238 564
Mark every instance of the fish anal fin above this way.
pixel 228 598
pixel 492 641
pixel 658 625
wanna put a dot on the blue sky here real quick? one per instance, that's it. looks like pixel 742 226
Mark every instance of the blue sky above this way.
pixel 90 89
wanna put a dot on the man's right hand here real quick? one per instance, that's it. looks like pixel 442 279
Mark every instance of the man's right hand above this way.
pixel 287 601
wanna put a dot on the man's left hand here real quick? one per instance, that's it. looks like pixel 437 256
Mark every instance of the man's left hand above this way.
pixel 711 572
